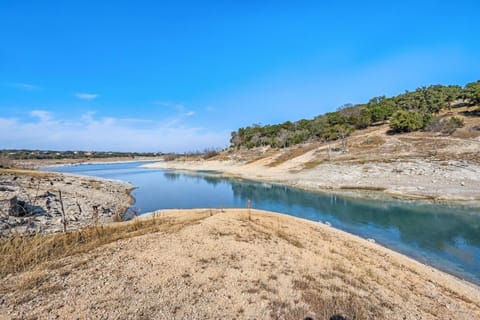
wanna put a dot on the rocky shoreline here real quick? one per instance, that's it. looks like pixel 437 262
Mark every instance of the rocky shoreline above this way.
pixel 33 202
pixel 450 182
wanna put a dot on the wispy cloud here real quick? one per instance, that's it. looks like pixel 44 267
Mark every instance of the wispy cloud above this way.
pixel 86 96
pixel 43 130
pixel 42 115
pixel 25 86
pixel 180 107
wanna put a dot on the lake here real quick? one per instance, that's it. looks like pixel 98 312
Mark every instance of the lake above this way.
pixel 446 237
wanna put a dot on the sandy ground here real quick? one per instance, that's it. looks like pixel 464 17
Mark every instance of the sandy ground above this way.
pixel 41 193
pixel 232 264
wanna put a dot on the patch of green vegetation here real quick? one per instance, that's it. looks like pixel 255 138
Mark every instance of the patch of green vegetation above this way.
pixel 410 111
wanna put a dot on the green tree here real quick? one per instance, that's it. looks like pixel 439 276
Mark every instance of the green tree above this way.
pixel 472 92
pixel 406 121
pixel 381 108
pixel 453 93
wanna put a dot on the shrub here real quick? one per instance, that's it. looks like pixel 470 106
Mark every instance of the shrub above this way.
pixel 209 153
pixel 6 163
pixel 407 121
pixel 446 126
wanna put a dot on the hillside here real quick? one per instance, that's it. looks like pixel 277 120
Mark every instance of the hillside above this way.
pixel 211 264
pixel 420 165
pixel 425 109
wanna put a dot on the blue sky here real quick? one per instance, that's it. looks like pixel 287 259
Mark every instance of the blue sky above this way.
pixel 181 75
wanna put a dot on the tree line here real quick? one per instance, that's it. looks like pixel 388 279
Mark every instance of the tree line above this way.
pixel 406 112
pixel 21 154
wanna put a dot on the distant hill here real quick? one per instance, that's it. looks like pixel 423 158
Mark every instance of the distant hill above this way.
pixel 22 154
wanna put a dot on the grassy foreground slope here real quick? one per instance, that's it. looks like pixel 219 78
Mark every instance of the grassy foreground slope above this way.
pixel 210 264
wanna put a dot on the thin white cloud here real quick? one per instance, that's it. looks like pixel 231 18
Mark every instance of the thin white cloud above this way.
pixel 169 104
pixel 25 86
pixel 86 96
pixel 90 132
pixel 42 115
pixel 189 113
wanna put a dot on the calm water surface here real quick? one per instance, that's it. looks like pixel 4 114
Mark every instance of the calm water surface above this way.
pixel 446 237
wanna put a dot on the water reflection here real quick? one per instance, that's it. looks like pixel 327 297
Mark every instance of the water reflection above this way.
pixel 171 175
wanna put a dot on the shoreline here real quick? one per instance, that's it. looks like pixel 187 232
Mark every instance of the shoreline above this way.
pixel 371 192
pixel 355 194
pixel 36 164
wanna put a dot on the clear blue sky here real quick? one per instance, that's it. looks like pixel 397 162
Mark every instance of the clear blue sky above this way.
pixel 181 75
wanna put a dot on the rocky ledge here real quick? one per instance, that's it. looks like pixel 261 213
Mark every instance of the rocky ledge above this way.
pixel 44 202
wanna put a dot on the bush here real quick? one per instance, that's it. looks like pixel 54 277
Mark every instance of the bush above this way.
pixel 407 121
pixel 6 163
pixel 210 153
pixel 446 126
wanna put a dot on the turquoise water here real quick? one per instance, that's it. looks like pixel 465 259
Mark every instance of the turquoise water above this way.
pixel 447 237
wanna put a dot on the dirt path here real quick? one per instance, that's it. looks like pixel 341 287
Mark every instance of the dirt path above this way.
pixel 213 264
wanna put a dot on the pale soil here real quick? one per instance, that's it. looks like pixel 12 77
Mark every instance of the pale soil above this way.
pixel 215 264
pixel 41 192
pixel 420 165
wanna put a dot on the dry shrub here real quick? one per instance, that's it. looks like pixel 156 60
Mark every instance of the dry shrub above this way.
pixel 210 153
pixel 467 133
pixel 171 157
pixel 6 163
pixel 445 125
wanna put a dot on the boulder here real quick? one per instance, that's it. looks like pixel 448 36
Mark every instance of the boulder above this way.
pixel 18 208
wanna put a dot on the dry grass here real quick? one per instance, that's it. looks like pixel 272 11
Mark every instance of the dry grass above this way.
pixel 466 133
pixel 366 188
pixel 21 253
pixel 293 152
pixel 293 240
pixel 280 268
pixel 313 164
pixel 25 172
pixel 322 303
